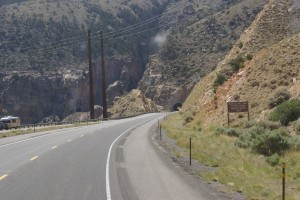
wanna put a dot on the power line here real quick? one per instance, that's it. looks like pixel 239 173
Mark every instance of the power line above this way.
pixel 126 29
pixel 52 43
pixel 150 20
pixel 135 33
pixel 49 50
pixel 62 46
pixel 7 4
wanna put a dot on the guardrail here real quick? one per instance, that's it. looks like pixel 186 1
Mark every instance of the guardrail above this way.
pixel 73 122
pixel 56 123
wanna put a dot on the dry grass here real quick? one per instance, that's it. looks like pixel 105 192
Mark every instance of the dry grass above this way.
pixel 238 168
pixel 259 80
pixel 39 129
pixel 275 65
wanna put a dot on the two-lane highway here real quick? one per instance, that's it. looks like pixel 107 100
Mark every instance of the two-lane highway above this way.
pixel 65 165
pixel 113 160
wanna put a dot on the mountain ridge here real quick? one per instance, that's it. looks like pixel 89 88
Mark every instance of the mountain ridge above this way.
pixel 195 50
pixel 273 67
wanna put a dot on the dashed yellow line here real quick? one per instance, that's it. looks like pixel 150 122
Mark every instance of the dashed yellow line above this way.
pixel 34 158
pixel 3 177
pixel 54 147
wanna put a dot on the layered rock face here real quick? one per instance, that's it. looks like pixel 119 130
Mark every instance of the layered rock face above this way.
pixel 165 95
pixel 132 104
pixel 46 44
pixel 32 97
pixel 188 54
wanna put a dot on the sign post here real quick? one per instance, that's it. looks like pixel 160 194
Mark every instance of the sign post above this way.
pixel 234 107
pixel 190 150
pixel 283 181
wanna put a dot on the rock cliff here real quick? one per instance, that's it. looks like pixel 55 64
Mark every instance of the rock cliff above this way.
pixel 33 96
pixel 192 51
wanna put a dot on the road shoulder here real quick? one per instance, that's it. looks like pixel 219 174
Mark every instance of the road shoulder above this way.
pixel 180 159
pixel 152 172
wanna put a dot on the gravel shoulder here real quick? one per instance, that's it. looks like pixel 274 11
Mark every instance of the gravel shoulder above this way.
pixel 179 159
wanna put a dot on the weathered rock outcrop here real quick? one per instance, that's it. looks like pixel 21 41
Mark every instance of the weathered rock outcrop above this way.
pixel 33 97
pixel 113 91
pixel 47 40
pixel 273 42
pixel 132 104
pixel 193 51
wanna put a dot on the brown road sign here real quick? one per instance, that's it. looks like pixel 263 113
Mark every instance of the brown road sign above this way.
pixel 237 107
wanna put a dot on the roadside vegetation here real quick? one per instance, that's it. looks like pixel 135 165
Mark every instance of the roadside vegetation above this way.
pixel 262 68
pixel 246 158
pixel 14 132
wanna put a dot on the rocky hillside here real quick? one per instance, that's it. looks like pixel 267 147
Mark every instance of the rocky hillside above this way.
pixel 264 61
pixel 43 42
pixel 34 97
pixel 43 48
pixel 132 104
pixel 193 50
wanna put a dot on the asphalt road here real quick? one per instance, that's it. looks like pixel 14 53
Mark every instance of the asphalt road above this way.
pixel 110 160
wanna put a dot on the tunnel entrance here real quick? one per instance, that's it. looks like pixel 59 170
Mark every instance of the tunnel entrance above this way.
pixel 177 106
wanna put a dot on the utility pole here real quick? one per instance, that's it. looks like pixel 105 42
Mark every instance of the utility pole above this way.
pixel 103 79
pixel 92 112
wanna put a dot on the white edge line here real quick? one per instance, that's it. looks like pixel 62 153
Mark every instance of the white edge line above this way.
pixel 41 136
pixel 34 138
pixel 32 159
pixel 3 177
pixel 108 194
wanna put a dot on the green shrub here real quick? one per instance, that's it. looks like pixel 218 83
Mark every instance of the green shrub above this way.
pixel 237 63
pixel 249 56
pixel 271 125
pixel 246 139
pixel 248 124
pixel 188 117
pixel 279 97
pixel 232 132
pixel 270 142
pixel 296 127
pixel 295 143
pixel 286 112
pixel 227 131
pixel 273 159
pixel 220 79
pixel 240 45
pixel 219 131
pixel 263 141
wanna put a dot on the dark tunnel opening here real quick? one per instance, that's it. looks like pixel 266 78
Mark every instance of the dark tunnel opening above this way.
pixel 177 106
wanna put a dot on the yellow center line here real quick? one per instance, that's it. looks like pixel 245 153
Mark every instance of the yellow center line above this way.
pixel 54 147
pixel 34 158
pixel 3 177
